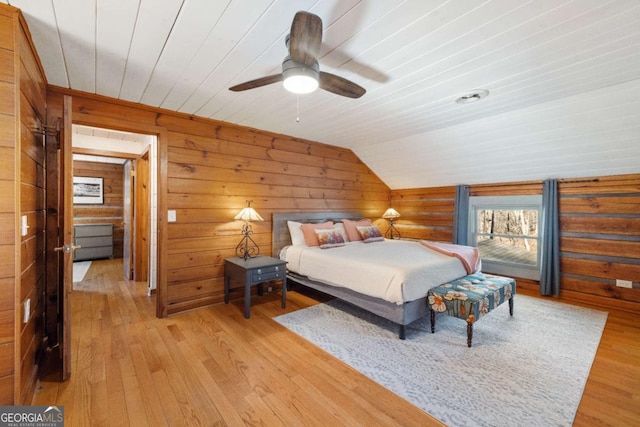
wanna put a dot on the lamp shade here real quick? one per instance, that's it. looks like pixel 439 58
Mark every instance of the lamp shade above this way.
pixel 249 214
pixel 391 214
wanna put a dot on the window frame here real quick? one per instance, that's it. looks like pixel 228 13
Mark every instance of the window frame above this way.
pixel 529 202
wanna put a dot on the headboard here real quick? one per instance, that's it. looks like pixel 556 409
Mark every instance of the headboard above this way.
pixel 281 238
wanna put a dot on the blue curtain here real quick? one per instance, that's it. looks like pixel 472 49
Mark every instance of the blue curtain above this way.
pixel 461 215
pixel 550 261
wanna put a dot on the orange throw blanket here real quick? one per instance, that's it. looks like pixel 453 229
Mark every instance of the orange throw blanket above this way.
pixel 468 255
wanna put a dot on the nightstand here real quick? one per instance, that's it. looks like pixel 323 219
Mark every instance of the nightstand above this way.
pixel 254 271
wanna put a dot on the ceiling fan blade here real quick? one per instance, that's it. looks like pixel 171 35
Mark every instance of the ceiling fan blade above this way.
pixel 336 58
pixel 305 38
pixel 340 86
pixel 252 84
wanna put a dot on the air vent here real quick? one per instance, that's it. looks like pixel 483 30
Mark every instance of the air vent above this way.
pixel 473 96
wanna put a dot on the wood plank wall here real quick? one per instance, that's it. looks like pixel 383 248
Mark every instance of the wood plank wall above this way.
pixel 213 169
pixel 32 204
pixel 599 232
pixel 111 211
pixel 22 184
pixel 600 239
pixel 8 135
pixel 425 213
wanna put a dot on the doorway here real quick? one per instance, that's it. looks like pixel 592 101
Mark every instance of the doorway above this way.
pixel 130 207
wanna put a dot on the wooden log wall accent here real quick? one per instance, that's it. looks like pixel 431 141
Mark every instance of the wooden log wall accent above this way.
pixel 210 178
pixel 213 169
pixel 8 247
pixel 22 189
pixel 599 232
pixel 600 240
pixel 425 213
pixel 111 211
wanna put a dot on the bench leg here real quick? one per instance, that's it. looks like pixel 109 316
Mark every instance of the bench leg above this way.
pixel 511 306
pixel 469 333
pixel 403 332
pixel 433 320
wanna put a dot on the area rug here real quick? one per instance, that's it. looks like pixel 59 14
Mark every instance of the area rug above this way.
pixel 80 269
pixel 525 370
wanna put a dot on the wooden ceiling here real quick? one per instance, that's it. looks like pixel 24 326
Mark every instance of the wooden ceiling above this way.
pixel 562 75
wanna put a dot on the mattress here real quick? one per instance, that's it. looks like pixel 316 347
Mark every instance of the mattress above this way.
pixel 396 271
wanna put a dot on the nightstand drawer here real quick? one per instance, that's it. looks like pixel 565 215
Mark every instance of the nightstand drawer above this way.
pixel 268 273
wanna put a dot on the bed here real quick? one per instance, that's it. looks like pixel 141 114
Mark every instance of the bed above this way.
pixel 343 272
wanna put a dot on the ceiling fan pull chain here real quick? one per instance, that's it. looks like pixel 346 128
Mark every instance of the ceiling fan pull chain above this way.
pixel 297 108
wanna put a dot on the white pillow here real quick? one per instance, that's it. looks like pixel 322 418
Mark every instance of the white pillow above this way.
pixel 295 230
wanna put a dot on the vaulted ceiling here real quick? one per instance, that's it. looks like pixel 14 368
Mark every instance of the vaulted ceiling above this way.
pixel 563 77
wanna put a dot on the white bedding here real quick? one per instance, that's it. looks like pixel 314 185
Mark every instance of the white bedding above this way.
pixel 396 271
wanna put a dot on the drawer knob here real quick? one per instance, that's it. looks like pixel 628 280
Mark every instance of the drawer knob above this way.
pixel 259 271
pixel 277 268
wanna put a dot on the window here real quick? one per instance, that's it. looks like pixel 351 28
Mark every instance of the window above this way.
pixel 506 231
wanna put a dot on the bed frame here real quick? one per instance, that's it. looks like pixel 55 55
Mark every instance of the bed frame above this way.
pixel 401 314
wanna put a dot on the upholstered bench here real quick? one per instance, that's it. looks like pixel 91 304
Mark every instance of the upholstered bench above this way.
pixel 470 298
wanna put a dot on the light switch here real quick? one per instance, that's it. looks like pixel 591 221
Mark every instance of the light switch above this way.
pixel 624 283
pixel 25 226
pixel 27 310
pixel 171 216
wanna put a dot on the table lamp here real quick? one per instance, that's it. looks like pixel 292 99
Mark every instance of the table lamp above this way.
pixel 391 215
pixel 247 248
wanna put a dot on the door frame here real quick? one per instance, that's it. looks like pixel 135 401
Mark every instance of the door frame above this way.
pixel 162 138
pixel 129 157
pixel 67 202
pixel 127 218
pixel 141 204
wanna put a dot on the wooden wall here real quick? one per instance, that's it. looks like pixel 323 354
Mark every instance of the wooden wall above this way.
pixel 22 189
pixel 600 240
pixel 599 232
pixel 8 246
pixel 111 211
pixel 212 169
pixel 425 213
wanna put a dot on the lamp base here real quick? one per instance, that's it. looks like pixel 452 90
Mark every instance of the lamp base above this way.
pixel 392 233
pixel 247 248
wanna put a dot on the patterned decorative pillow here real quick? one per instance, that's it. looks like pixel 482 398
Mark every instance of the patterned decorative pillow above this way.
pixel 370 234
pixel 308 230
pixel 340 227
pixel 329 238
pixel 351 228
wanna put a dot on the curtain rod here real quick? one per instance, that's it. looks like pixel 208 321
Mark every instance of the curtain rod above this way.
pixel 506 184
pixel 574 180
pixel 520 183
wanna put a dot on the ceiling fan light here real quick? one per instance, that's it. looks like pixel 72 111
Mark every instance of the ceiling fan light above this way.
pixel 299 78
pixel 300 83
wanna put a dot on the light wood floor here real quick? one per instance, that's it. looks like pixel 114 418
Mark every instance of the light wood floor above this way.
pixel 213 367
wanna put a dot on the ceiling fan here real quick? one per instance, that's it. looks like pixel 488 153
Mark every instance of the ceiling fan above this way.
pixel 300 70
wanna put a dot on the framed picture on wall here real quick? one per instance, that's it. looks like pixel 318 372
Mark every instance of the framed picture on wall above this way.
pixel 88 190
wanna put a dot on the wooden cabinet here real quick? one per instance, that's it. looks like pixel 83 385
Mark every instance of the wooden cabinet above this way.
pixel 96 241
